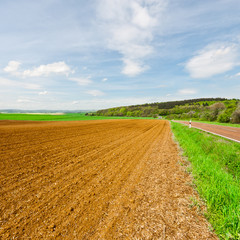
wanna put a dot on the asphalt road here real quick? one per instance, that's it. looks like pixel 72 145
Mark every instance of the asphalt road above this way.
pixel 232 133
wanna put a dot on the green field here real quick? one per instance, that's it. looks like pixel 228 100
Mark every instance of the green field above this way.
pixel 65 117
pixel 215 167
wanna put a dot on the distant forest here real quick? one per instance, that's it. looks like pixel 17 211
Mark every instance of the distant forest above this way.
pixel 205 109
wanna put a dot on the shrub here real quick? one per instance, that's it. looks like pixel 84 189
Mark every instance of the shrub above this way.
pixel 236 115
pixel 216 108
pixel 223 117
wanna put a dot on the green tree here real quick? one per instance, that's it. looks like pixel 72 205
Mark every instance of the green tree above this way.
pixel 236 115
pixel 122 111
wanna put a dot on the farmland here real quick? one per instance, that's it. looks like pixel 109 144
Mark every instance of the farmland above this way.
pixel 54 117
pixel 106 179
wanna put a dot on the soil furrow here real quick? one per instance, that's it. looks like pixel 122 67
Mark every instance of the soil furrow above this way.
pixel 95 180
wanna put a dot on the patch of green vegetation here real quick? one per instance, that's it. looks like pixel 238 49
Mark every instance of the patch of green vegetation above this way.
pixel 64 117
pixel 216 171
pixel 205 109
pixel 227 111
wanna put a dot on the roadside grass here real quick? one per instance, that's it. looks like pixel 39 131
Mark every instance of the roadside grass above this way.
pixel 64 117
pixel 215 166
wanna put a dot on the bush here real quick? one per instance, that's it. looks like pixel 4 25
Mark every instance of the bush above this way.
pixel 223 117
pixel 171 117
pixel 216 108
pixel 205 116
pixel 236 115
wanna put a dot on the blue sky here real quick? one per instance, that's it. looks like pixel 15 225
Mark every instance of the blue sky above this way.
pixel 96 54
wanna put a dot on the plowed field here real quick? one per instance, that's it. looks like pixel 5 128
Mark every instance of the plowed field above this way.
pixel 111 179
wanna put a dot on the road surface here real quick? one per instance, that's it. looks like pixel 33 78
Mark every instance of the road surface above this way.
pixel 232 133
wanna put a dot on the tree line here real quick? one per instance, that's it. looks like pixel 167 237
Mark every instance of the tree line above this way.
pixel 205 109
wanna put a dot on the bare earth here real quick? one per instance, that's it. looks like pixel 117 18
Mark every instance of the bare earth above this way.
pixel 112 179
pixel 228 132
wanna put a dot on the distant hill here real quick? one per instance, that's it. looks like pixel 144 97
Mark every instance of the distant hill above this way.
pixel 207 109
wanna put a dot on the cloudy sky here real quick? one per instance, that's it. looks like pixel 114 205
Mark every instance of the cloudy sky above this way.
pixel 77 54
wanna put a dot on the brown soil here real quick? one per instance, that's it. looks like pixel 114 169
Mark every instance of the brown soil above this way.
pixel 228 132
pixel 112 179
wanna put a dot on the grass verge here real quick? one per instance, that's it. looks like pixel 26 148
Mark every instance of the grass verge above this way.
pixel 64 117
pixel 216 171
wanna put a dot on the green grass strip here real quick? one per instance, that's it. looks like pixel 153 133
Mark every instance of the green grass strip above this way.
pixel 64 117
pixel 215 164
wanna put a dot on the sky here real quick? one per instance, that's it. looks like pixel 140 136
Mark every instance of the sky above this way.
pixel 96 54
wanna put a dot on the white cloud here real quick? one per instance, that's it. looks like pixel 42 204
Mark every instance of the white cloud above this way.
pixel 7 82
pixel 104 79
pixel 24 100
pixel 95 93
pixel 213 59
pixel 238 74
pixel 141 16
pixel 81 81
pixel 132 68
pixel 129 26
pixel 43 93
pixel 12 67
pixel 12 83
pixel 46 70
pixel 187 91
pixel 75 102
pixel 42 70
pixel 31 86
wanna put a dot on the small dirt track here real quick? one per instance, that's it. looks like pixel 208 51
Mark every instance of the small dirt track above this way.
pixel 108 179
pixel 232 133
